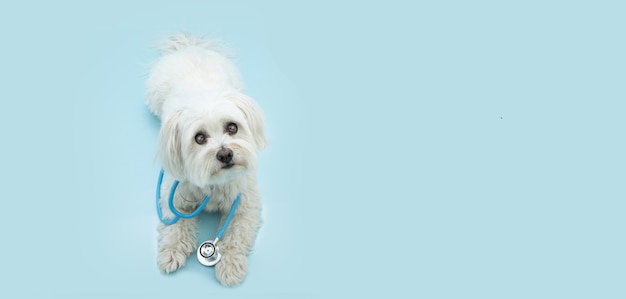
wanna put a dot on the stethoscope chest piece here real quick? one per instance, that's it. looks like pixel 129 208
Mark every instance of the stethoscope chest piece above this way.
pixel 208 253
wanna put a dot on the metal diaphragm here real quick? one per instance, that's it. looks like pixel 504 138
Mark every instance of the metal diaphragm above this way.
pixel 208 253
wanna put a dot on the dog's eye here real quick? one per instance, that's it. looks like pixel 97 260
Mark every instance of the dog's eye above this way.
pixel 201 138
pixel 231 128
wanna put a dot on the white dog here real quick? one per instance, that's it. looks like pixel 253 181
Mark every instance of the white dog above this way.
pixel 210 136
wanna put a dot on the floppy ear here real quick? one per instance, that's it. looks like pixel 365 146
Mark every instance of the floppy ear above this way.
pixel 170 150
pixel 254 116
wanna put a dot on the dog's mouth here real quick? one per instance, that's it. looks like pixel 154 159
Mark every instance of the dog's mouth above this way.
pixel 228 166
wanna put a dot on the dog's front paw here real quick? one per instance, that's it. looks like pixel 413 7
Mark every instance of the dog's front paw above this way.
pixel 232 269
pixel 171 259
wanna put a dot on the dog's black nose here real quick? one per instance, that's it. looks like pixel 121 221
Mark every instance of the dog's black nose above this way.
pixel 224 155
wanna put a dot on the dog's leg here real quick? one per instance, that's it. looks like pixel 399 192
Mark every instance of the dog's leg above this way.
pixel 238 240
pixel 176 243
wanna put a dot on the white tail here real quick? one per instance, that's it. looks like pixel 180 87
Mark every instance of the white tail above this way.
pixel 181 41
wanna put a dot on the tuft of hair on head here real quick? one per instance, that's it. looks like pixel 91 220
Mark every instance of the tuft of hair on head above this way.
pixel 180 41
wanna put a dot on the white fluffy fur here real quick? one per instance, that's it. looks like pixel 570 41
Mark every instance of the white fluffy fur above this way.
pixel 195 88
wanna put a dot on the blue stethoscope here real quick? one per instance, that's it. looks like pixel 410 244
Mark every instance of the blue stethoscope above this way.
pixel 208 253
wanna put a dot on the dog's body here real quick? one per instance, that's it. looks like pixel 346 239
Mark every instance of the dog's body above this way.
pixel 209 139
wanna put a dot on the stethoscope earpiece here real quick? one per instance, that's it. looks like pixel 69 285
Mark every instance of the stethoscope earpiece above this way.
pixel 208 253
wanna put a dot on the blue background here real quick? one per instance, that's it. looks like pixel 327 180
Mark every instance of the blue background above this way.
pixel 463 149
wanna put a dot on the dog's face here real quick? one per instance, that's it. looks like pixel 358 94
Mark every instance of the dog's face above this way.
pixel 214 144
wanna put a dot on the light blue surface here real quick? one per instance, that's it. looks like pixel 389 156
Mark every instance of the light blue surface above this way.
pixel 464 149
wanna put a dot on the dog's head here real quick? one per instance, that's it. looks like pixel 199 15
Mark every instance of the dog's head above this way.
pixel 214 144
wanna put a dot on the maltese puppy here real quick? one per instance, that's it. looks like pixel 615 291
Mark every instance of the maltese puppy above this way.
pixel 209 139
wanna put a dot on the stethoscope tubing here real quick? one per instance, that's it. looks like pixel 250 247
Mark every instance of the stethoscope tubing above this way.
pixel 170 203
pixel 178 214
